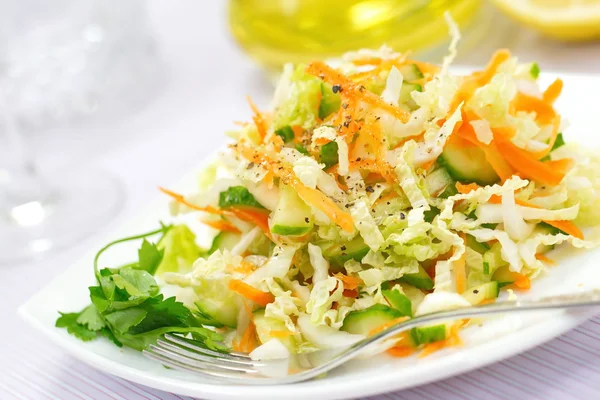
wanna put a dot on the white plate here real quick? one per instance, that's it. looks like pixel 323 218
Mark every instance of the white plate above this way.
pixel 494 341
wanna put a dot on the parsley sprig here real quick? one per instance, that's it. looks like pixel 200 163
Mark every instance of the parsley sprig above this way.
pixel 127 307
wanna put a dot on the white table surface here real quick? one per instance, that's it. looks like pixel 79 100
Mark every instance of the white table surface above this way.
pixel 202 91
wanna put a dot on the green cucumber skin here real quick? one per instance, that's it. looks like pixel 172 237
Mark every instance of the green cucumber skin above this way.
pixel 364 321
pixel 290 230
pixel 467 165
pixel 485 291
pixel 420 280
pixel 330 102
pixel 428 334
pixel 398 301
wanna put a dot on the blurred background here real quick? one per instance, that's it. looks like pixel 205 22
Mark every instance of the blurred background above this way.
pixel 101 101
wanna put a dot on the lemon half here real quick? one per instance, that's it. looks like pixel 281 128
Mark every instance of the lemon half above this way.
pixel 561 19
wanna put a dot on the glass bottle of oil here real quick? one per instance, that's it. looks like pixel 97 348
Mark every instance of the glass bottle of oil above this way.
pixel 274 32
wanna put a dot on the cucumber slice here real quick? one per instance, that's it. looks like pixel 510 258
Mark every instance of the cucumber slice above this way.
pixel 286 133
pixel 492 259
pixel 363 322
pixel 468 164
pixel 405 95
pixel 428 334
pixel 292 217
pixel 330 102
pixel 225 310
pixel 438 181
pixel 479 247
pixel 224 241
pixel 329 154
pixel 477 294
pixel 420 279
pixel 237 196
pixel 398 301
pixel 410 72
pixel 504 276
pixel 338 254
pixel 264 327
pixel 535 70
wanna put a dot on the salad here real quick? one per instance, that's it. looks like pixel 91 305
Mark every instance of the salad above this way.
pixel 368 193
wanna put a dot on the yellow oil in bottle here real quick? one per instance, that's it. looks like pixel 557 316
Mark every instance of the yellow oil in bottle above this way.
pixel 274 32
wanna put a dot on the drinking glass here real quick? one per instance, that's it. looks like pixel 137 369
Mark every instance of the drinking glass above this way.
pixel 60 62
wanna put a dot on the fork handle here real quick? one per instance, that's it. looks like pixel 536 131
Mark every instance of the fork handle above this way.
pixel 573 300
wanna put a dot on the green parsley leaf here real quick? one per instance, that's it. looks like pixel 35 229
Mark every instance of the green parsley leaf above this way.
pixel 137 283
pixel 91 318
pixel 123 320
pixel 149 257
pixel 69 321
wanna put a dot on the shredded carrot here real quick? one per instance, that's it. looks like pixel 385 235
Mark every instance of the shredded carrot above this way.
pixel 350 282
pixel 388 324
pixel 562 165
pixel 249 341
pixel 258 119
pixel 523 283
pixel 251 293
pixel 466 188
pixel 386 198
pixel 350 89
pixel 180 199
pixel 553 137
pixel 499 57
pixel 568 227
pixel 401 351
pixel 486 301
pixel 221 225
pixel 245 267
pixel 542 257
pixel 526 164
pixel 553 91
pixel 452 340
pixel 253 215
pixel 460 271
pixel 309 195
pixel 351 293
pixel 258 217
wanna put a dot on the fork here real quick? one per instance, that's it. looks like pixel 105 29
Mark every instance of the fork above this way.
pixel 186 354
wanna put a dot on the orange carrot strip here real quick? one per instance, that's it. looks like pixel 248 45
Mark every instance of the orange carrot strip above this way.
pixel 258 218
pixel 460 270
pixel 485 76
pixel 309 195
pixel 542 257
pixel 350 282
pixel 401 351
pixel 382 327
pixel 553 137
pixel 568 227
pixel 258 119
pixel 251 293
pixel 523 283
pixel 180 199
pixel 351 293
pixel 350 89
pixel 221 225
pixel 562 165
pixel 464 188
pixel 526 164
pixel 553 91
